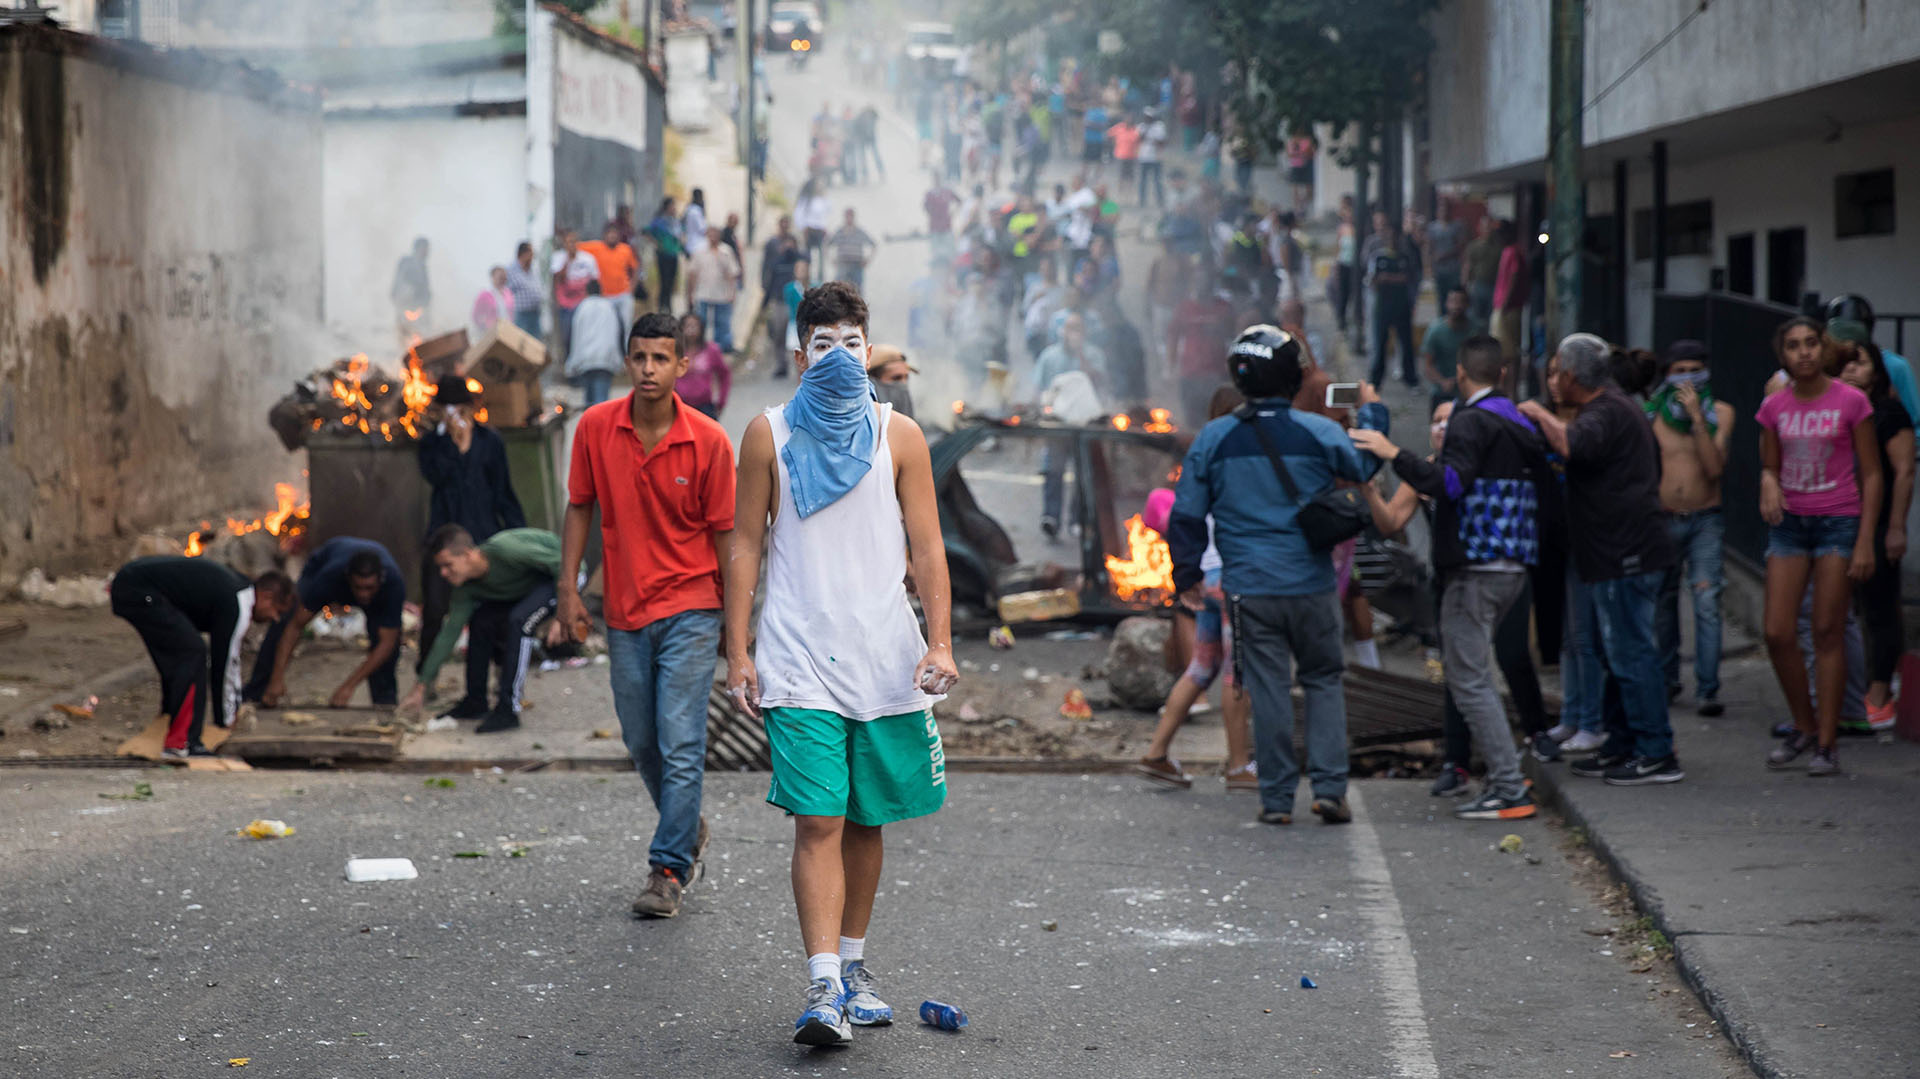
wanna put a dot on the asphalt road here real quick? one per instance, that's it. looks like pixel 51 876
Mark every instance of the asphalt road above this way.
pixel 146 938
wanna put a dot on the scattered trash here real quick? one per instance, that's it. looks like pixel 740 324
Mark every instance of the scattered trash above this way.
pixel 440 781
pixel 296 719
pixel 1266 1011
pixel 1620 1055
pixel 1308 983
pixel 549 665
pixel 601 733
pixel 1075 706
pixel 238 1062
pixel 141 792
pixel 469 854
pixel 1533 859
pixel 1031 674
pixel 1511 844
pixel 968 713
pixel 600 660
pixel 20 930
pixel 1050 925
pixel 9 691
pixel 577 662
pixel 965 665
pixel 1042 606
pixel 945 1016
pixel 362 870
pixel 70 592
pixel 84 710
pixel 267 829
pixel 442 723
pixel 1000 638
pixel 1072 635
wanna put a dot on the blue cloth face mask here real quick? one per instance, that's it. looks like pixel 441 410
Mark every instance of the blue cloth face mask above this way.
pixel 1682 378
pixel 835 431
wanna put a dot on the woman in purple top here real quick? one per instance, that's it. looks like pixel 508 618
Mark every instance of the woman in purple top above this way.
pixel 708 380
pixel 1820 493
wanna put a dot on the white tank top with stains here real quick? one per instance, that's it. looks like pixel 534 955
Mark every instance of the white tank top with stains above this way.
pixel 836 630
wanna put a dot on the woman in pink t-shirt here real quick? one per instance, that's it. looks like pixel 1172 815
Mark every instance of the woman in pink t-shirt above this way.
pixel 1820 492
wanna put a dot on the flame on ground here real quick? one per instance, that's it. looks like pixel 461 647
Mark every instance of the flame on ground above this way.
pixel 287 520
pixel 1148 566
pixel 1122 421
pixel 195 548
pixel 1159 422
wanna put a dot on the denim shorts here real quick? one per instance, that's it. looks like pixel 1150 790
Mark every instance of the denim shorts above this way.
pixel 1812 537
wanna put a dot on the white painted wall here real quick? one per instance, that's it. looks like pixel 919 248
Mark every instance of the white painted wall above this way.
pixel 1489 69
pixel 274 24
pixel 459 181
pixel 689 104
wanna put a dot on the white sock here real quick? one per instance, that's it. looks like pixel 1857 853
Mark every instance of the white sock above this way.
pixel 852 949
pixel 1367 653
pixel 823 965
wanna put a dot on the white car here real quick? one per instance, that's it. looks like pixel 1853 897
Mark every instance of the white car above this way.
pixel 932 40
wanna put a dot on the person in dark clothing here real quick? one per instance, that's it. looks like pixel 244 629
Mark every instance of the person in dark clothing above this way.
pixel 777 260
pixel 1484 486
pixel 465 464
pixel 503 589
pixel 1126 355
pixel 1391 269
pixel 342 572
pixel 170 601
pixel 1621 549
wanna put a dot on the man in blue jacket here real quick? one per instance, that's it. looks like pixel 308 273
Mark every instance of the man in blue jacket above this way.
pixel 1280 589
pixel 1485 539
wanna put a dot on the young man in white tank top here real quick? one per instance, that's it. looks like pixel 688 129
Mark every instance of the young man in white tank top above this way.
pixel 841 672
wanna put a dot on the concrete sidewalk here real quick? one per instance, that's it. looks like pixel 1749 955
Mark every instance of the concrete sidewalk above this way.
pixel 1789 900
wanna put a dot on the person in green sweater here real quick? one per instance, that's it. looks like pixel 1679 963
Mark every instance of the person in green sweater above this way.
pixel 503 589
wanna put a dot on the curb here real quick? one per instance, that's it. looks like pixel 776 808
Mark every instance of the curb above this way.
pixel 1746 1037
pixel 97 685
pixel 525 765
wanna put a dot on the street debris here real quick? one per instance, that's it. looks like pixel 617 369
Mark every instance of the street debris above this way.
pixel 1136 663
pixel 238 1062
pixel 1075 706
pixel 945 1016
pixel 469 854
pixel 968 713
pixel 1050 925
pixel 601 733
pixel 296 719
pixel 442 723
pixel 267 829
pixel 439 781
pixel 141 792
pixel 1000 638
pixel 363 870
pixel 83 710
pixel 1308 983
pixel 1511 844
pixel 1043 606
pixel 77 591
pixel 1620 1054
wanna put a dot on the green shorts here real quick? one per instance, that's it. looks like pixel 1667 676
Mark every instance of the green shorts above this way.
pixel 872 773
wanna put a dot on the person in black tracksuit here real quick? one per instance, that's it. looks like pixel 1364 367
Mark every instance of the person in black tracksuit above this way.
pixel 465 463
pixel 170 601
pixel 1488 473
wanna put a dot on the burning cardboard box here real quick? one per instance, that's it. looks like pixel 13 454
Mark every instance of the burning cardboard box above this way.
pixel 508 363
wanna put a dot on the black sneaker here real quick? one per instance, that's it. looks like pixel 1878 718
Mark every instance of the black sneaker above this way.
pixel 500 719
pixel 1597 766
pixel 1275 816
pixel 1641 771
pixel 1710 707
pixel 1453 782
pixel 465 708
pixel 1543 748
pixel 1051 527
pixel 1333 810
pixel 1491 806
pixel 171 754
pixel 1786 728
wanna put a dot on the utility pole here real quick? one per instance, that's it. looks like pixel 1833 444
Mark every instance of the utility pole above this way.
pixel 1566 188
pixel 744 38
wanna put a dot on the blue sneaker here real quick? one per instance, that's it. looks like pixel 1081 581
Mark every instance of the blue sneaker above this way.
pixel 864 1006
pixel 825 1020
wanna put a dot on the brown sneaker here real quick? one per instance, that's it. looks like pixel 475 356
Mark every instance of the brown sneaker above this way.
pixel 699 870
pixel 661 897
pixel 1164 771
pixel 1244 778
pixel 1333 810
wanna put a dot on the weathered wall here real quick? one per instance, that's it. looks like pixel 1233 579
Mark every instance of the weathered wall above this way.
pixel 460 181
pixel 608 113
pixel 160 257
pixel 1489 68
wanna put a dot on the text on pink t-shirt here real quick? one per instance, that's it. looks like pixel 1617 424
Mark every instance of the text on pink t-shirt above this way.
pixel 1816 448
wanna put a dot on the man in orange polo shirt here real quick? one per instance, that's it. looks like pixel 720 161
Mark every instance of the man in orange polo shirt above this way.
pixel 618 268
pixel 662 476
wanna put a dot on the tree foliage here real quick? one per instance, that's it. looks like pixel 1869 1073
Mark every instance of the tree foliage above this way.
pixel 1282 63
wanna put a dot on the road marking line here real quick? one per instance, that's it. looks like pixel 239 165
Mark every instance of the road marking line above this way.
pixel 1406 1018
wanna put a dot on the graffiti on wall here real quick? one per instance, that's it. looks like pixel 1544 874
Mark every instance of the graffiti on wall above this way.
pixel 600 94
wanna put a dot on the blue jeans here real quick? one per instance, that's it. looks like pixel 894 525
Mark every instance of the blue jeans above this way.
pixel 1699 537
pixel 718 318
pixel 1624 608
pixel 661 675
pixel 528 320
pixel 1278 640
pixel 1582 674
pixel 594 385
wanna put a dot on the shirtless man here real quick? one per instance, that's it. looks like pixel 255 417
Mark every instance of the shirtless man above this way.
pixel 1693 431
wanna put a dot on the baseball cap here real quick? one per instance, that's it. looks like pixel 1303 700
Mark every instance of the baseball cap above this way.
pixel 882 355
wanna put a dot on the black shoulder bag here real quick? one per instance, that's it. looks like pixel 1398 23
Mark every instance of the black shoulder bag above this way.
pixel 1329 518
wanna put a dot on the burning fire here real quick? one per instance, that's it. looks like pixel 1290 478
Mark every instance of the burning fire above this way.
pixel 416 394
pixel 1159 422
pixel 1148 566
pixel 1122 421
pixel 287 520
